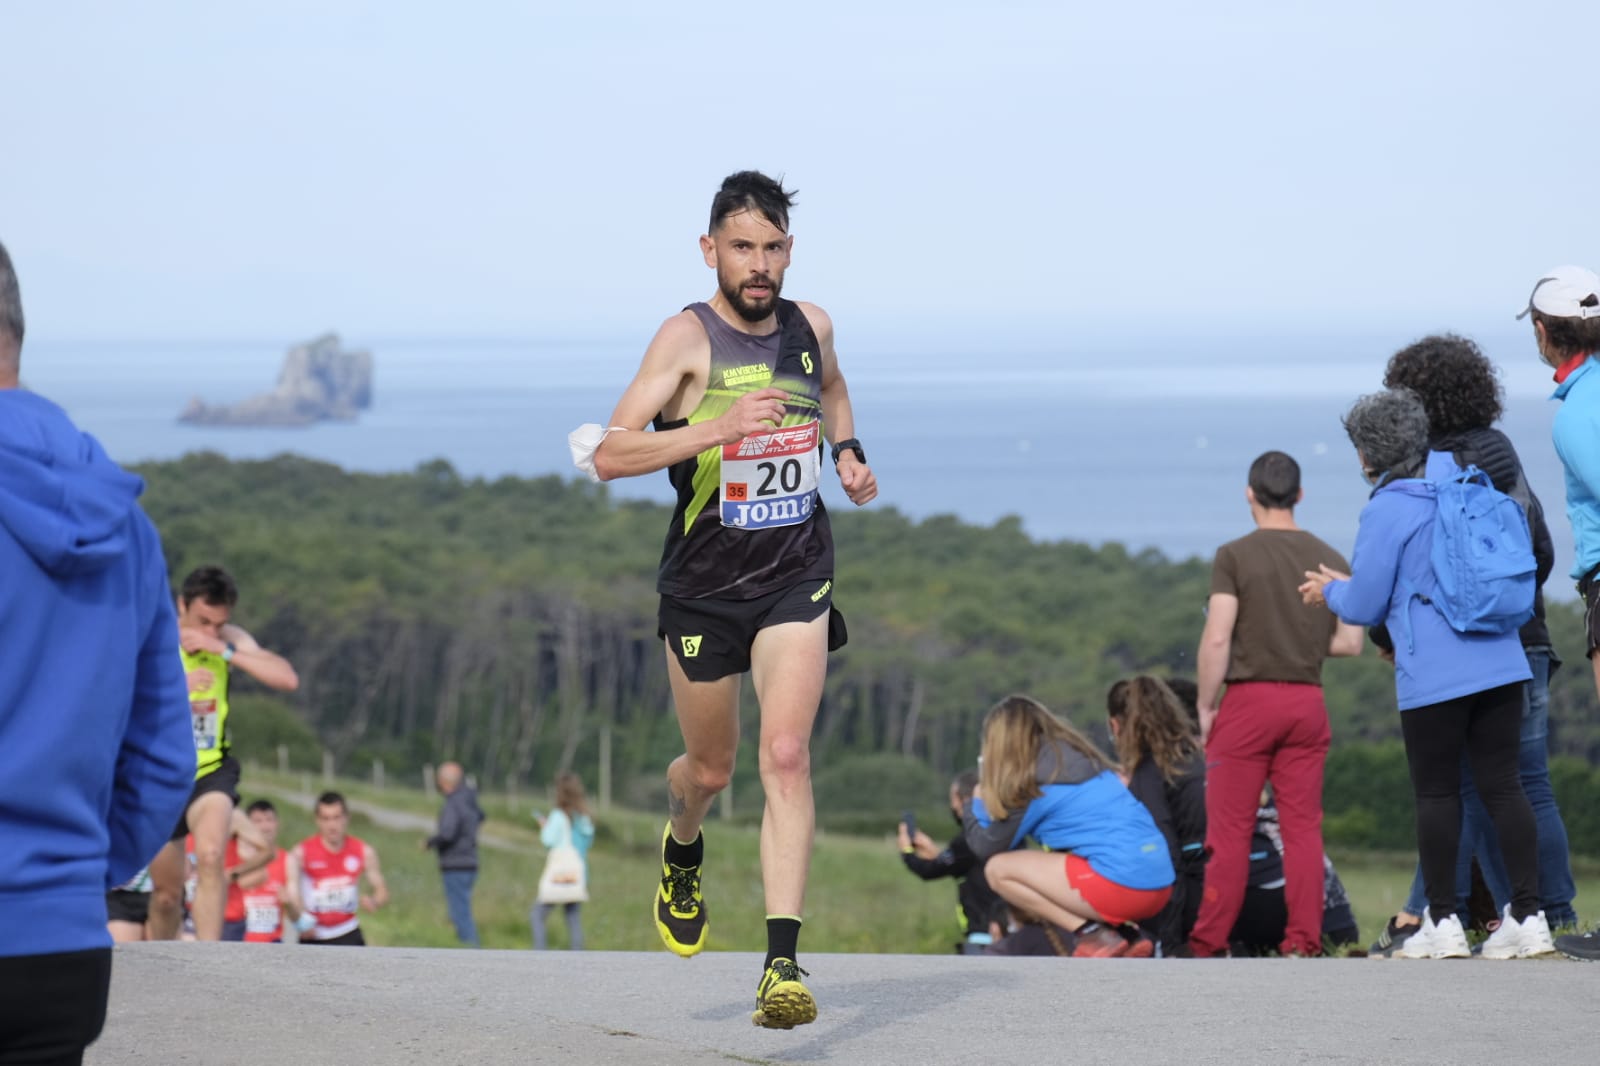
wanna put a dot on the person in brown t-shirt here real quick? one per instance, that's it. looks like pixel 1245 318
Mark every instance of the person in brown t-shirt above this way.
pixel 1268 648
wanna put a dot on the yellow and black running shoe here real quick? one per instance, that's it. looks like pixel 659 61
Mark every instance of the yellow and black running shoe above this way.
pixel 782 1002
pixel 680 912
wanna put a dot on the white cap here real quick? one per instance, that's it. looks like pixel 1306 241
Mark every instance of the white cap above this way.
pixel 1565 292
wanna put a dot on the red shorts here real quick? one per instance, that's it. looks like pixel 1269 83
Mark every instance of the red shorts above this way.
pixel 1113 902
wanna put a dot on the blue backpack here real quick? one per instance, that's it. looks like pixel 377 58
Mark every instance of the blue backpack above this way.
pixel 1483 566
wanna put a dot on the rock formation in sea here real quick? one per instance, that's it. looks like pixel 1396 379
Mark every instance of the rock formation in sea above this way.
pixel 320 381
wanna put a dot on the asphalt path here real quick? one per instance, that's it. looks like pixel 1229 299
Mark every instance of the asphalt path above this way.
pixel 297 1006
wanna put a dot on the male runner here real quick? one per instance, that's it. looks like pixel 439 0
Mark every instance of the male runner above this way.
pixel 741 391
pixel 332 864
pixel 269 893
pixel 245 854
pixel 212 647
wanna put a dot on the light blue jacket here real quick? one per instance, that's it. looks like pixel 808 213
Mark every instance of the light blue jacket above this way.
pixel 1577 438
pixel 1392 559
pixel 560 829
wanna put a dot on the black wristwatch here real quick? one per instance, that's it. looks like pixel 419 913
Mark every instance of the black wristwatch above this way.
pixel 851 444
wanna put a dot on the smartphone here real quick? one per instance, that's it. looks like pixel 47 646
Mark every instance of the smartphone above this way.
pixel 909 820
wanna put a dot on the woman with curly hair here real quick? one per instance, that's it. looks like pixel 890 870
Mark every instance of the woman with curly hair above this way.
pixel 1039 777
pixel 1460 391
pixel 1165 768
pixel 1459 693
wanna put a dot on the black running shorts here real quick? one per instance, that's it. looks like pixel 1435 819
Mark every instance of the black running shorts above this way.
pixel 225 778
pixel 712 638
pixel 125 906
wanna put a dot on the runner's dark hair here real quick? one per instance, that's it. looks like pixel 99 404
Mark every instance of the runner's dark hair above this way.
pixel 210 584
pixel 751 190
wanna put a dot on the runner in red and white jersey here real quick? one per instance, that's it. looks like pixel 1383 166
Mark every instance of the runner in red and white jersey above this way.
pixel 332 864
pixel 268 895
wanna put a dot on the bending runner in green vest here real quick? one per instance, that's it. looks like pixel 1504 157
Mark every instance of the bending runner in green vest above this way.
pixel 742 390
pixel 212 647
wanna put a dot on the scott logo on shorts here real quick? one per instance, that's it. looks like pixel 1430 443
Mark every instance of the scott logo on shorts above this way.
pixel 691 647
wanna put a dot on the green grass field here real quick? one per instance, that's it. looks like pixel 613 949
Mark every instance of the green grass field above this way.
pixel 862 899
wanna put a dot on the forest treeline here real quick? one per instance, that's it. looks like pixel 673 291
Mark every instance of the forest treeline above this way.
pixel 510 623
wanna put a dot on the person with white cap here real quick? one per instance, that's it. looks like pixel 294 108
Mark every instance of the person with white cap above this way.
pixel 1565 307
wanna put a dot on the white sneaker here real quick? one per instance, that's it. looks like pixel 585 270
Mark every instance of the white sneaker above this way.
pixel 1446 940
pixel 1519 940
pixel 1506 940
pixel 1536 939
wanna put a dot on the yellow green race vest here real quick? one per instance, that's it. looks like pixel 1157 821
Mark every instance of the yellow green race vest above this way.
pixel 208 711
pixel 740 535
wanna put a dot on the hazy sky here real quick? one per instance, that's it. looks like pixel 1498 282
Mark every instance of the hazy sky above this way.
pixel 543 169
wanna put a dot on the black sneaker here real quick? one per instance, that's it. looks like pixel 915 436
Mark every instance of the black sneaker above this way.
pixel 1390 940
pixel 680 912
pixel 1584 948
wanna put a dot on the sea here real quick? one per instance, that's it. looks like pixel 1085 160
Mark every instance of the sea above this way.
pixel 1146 446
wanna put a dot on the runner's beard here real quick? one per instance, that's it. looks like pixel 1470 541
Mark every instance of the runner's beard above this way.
pixel 746 308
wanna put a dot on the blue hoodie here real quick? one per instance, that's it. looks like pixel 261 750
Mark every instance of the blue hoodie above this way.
pixel 1432 662
pixel 96 747
pixel 1576 433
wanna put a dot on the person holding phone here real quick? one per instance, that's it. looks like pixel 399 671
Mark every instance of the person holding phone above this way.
pixel 927 860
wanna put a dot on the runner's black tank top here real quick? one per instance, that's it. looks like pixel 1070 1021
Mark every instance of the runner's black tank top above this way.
pixel 703 557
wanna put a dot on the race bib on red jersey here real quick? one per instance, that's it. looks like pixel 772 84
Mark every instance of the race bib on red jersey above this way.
pixel 770 479
pixel 263 915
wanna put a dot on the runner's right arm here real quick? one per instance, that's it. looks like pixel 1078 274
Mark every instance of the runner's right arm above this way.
pixel 380 889
pixel 289 895
pixel 254 853
pixel 677 356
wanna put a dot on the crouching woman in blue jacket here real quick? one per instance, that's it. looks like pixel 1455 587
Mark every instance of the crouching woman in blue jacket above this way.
pixel 1040 778
pixel 1457 692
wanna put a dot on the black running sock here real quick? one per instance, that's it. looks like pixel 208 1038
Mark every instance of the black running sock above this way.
pixel 684 856
pixel 783 937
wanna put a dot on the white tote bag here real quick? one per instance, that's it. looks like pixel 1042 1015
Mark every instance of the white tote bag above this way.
pixel 563 879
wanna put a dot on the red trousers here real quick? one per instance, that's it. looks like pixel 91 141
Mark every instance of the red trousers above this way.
pixel 1265 731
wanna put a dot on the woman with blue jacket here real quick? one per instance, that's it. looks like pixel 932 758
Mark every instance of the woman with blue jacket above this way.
pixel 1107 864
pixel 1457 692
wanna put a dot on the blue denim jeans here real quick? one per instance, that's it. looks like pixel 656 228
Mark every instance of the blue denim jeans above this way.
pixel 1556 888
pixel 458 896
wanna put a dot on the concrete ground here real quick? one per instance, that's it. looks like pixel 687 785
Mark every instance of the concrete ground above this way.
pixel 224 1004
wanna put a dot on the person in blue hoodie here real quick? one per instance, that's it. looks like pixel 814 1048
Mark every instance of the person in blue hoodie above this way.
pixel 1457 692
pixel 1040 778
pixel 96 759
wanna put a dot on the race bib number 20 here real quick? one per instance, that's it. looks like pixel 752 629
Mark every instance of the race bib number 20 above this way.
pixel 770 479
